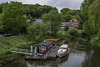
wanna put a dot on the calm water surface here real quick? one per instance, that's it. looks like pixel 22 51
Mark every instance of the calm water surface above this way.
pixel 81 55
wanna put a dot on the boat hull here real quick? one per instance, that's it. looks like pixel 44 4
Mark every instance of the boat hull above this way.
pixel 63 55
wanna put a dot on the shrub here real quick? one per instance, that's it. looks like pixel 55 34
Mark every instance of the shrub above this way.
pixel 37 31
pixel 73 32
pixel 61 34
pixel 25 45
pixel 82 33
pixel 96 39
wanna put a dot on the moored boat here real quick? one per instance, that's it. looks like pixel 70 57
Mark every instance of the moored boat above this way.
pixel 63 51
pixel 43 49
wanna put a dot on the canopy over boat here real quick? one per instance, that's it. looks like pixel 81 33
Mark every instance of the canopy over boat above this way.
pixel 51 40
pixel 45 43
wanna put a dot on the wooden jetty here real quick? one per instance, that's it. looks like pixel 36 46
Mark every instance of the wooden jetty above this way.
pixel 22 51
pixel 52 55
pixel 44 50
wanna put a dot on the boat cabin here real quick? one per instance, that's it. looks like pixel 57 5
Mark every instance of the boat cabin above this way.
pixel 64 46
pixel 44 47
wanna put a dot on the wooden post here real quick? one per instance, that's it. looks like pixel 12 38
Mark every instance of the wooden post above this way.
pixel 31 48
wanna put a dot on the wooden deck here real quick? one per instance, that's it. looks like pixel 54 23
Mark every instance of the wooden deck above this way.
pixel 53 53
pixel 22 51
pixel 35 58
pixel 51 56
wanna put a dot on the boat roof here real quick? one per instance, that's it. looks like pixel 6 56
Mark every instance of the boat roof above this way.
pixel 51 40
pixel 45 43
pixel 64 46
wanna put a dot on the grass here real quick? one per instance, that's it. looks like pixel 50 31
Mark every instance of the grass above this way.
pixel 7 43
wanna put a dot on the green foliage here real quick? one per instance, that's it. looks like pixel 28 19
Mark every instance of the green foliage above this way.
pixel 13 19
pixel 68 14
pixel 37 31
pixel 87 28
pixel 53 19
pixel 25 45
pixel 7 43
pixel 37 10
pixel 67 18
pixel 1 22
pixel 6 55
pixel 94 16
pixel 1 6
pixel 96 39
pixel 64 10
pixel 92 26
pixel 84 7
pixel 82 33
pixel 73 32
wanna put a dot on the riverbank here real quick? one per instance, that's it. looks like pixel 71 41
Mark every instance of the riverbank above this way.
pixel 7 43
pixel 82 55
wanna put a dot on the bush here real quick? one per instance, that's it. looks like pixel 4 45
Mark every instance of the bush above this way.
pixel 82 33
pixel 68 34
pixel 6 55
pixel 73 32
pixel 37 31
pixel 61 34
pixel 96 39
pixel 8 42
pixel 25 45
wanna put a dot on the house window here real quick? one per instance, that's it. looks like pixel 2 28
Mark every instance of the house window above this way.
pixel 43 48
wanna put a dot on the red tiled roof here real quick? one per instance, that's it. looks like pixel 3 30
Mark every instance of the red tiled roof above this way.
pixel 51 40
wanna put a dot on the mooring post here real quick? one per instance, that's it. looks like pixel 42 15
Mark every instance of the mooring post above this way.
pixel 31 48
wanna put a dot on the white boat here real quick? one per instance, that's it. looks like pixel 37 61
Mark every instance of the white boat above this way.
pixel 63 51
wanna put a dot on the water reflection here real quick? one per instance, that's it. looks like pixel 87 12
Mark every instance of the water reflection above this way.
pixel 93 59
pixel 82 55
pixel 42 64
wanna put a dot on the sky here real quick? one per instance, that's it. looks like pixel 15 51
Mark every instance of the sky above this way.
pixel 72 4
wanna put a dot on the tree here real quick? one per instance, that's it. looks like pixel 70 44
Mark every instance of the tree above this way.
pixel 37 10
pixel 1 6
pixel 84 8
pixel 94 18
pixel 1 22
pixel 92 26
pixel 53 19
pixel 37 31
pixel 64 10
pixel 13 19
pixel 67 18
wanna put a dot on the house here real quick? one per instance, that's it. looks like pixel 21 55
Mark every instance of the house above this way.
pixel 73 24
pixel 44 48
pixel 38 20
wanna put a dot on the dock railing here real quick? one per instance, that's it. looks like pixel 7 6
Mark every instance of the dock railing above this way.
pixel 21 51
pixel 50 51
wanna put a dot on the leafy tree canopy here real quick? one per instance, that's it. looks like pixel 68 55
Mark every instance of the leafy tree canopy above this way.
pixel 64 10
pixel 37 31
pixel 94 18
pixel 13 19
pixel 1 22
pixel 53 19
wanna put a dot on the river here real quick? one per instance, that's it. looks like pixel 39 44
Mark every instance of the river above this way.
pixel 82 55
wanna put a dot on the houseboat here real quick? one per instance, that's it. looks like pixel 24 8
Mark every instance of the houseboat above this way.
pixel 63 51
pixel 43 49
